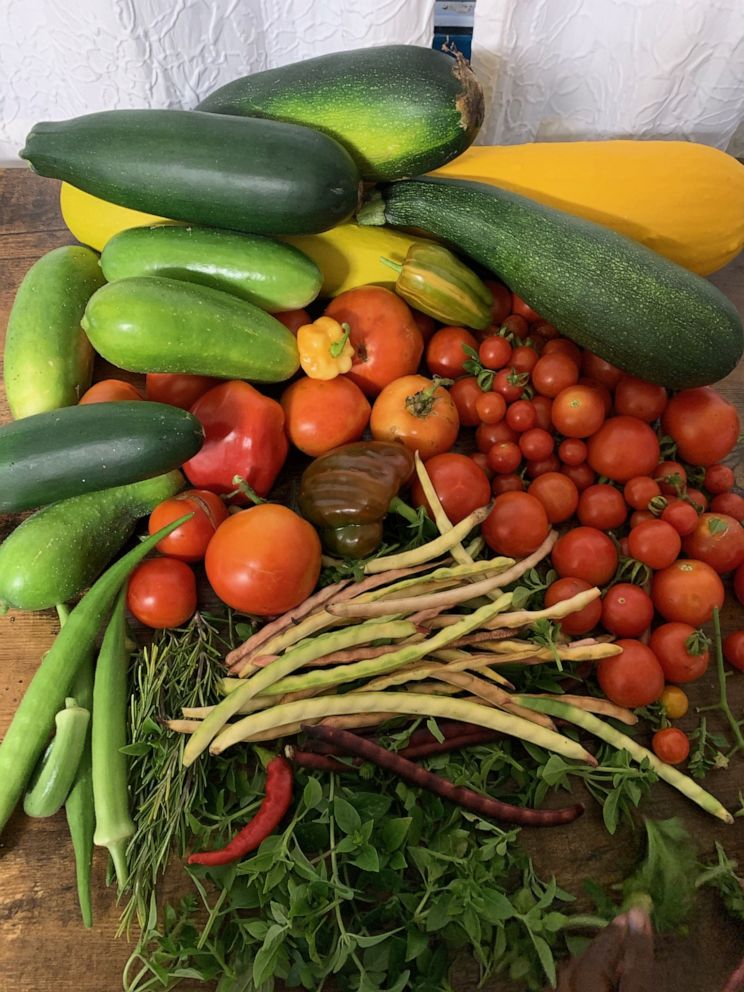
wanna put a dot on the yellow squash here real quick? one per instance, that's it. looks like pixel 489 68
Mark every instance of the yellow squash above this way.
pixel 681 199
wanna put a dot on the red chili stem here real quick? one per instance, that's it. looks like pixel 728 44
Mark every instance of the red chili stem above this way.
pixel 270 813
pixel 485 806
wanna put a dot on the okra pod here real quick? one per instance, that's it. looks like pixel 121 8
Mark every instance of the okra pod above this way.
pixel 56 771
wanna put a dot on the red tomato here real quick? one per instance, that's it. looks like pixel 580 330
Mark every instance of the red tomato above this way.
pixel 521 416
pixel 110 391
pixel 640 490
pixel 633 678
pixel 718 540
pixel 465 393
pixel 523 309
pixel 418 413
pixel 162 593
pixel 507 484
pixel 536 444
pixel 189 541
pixel 578 411
pixel 597 368
pixel 654 542
pixel 640 517
pixel 534 469
pixel 572 451
pixel 672 478
pixel 699 500
pixel 718 479
pixel 681 651
pixel 293 320
pixel 704 425
pixel 516 325
pixel 581 475
pixel 458 482
pixel 564 347
pixel 489 434
pixel 510 383
pixel 504 457
pixel 681 515
pixel 321 414
pixel 671 745
pixel 482 462
pixel 386 339
pixel 627 611
pixel 502 301
pixel 637 398
pixel 622 448
pixel 553 373
pixel 494 352
pixel 602 506
pixel 445 352
pixel 543 408
pixel 733 649
pixel 264 560
pixel 585 553
pixel 545 330
pixel 178 390
pixel 604 394
pixel 739 583
pixel 687 591
pixel 426 324
pixel 490 407
pixel 557 494
pixel 583 620
pixel 524 358
pixel 732 504
pixel 516 526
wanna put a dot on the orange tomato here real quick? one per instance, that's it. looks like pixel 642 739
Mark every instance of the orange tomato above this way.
pixel 293 320
pixel 322 414
pixel 417 412
pixel 176 389
pixel 110 391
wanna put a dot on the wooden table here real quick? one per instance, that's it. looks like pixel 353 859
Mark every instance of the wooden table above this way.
pixel 43 946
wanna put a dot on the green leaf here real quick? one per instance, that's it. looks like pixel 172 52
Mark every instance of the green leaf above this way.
pixel 394 832
pixel 610 814
pixel 545 955
pixel 496 906
pixel 312 794
pixel 367 859
pixel 416 943
pixel 346 816
pixel 433 727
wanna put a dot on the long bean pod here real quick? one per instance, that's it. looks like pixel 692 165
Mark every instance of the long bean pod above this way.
pixel 443 522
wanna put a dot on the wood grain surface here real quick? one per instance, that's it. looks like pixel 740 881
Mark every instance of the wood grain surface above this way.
pixel 43 946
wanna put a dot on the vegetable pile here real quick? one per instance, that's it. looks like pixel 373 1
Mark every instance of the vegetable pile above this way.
pixel 434 530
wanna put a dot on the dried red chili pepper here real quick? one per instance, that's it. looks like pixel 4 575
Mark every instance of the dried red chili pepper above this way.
pixel 270 814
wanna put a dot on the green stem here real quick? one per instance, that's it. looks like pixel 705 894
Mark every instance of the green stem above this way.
pixel 723 703
pixel 245 489
pixel 391 264
pixel 337 347
pixel 399 506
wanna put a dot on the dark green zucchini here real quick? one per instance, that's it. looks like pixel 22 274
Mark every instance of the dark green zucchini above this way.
pixel 81 449
pixel 400 110
pixel 149 324
pixel 244 174
pixel 614 296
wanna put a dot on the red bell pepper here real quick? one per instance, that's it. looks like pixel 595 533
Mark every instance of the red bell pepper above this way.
pixel 244 435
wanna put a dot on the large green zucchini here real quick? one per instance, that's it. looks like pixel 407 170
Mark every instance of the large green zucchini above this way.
pixel 614 296
pixel 81 449
pixel 152 324
pixel 245 174
pixel 400 110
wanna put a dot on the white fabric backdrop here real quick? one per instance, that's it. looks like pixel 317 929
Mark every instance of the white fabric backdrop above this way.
pixel 551 68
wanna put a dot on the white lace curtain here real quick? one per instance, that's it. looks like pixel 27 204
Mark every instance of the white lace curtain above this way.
pixel 551 68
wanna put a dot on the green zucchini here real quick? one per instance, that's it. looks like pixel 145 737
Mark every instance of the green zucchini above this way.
pixel 81 449
pixel 243 174
pixel 616 297
pixel 400 110
pixel 267 274
pixel 58 551
pixel 149 324
pixel 48 360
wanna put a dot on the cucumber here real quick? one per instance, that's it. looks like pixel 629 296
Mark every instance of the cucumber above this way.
pixel 48 359
pixel 253 175
pixel 616 297
pixel 400 110
pixel 149 324
pixel 81 449
pixel 267 274
pixel 58 551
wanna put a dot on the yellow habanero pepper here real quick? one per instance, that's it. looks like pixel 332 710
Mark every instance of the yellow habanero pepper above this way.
pixel 325 349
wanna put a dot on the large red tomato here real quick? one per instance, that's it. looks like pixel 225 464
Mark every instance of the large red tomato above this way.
pixel 516 526
pixel 189 541
pixel 622 448
pixel 633 678
pixel 718 540
pixel 585 553
pixel 417 412
pixel 461 485
pixel 176 389
pixel 687 591
pixel 704 425
pixel 162 593
pixel 321 414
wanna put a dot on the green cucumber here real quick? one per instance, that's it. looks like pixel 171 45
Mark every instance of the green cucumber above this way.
pixel 616 297
pixel 48 359
pixel 59 550
pixel 149 324
pixel 253 175
pixel 400 110
pixel 267 274
pixel 81 449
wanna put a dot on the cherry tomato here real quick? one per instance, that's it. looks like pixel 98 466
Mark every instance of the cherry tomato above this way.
pixel 583 620
pixel 637 398
pixel 293 320
pixel 516 325
pixel 578 411
pixel 682 651
pixel 699 500
pixel 739 583
pixel 622 448
pixel 563 346
pixel 465 393
pixel 516 526
pixel 523 309
pixel 581 475
pixel 558 495
pixel 504 457
pixel 521 416
pixel 627 611
pixel 672 478
pixel 524 358
pixel 534 469
pixel 507 484
pixel 189 541
pixel 597 368
pixel 654 542
pixel 264 560
pixel 640 490
pixel 458 482
pixel 510 383
pixel 545 330
pixel 482 462
pixel 640 517
pixel 162 593
pixel 671 745
pixel 543 409
pixel 585 553
pixel 733 649
pixel 675 702
pixel 536 444
pixel 494 352
pixel 416 412
pixel 603 392
pixel 704 425
pixel 681 515
pixel 718 479
pixel 322 414
pixel 602 506
pixel 572 451
pixel 718 540
pixel 110 391
pixel 426 324
pixel 731 504
pixel 687 591
pixel 502 301
pixel 445 352
pixel 489 434
pixel 179 390
pixel 553 373
pixel 490 407
pixel 633 678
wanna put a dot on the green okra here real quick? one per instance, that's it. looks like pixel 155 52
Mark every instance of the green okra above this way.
pixel 56 771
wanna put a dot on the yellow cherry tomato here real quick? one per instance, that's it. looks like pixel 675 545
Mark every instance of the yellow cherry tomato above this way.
pixel 674 701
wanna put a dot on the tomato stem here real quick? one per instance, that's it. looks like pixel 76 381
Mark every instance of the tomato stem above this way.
pixel 723 703
pixel 243 488
pixel 391 264
pixel 337 347
pixel 420 404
